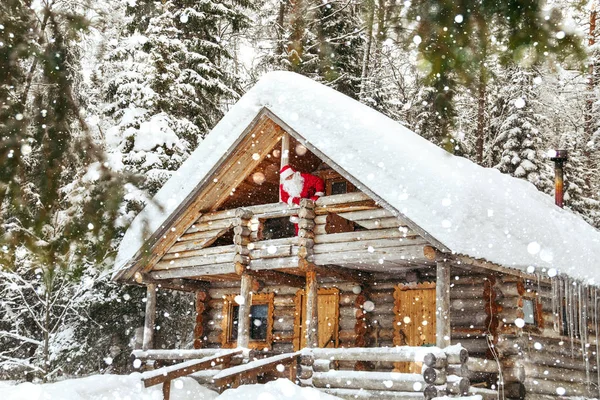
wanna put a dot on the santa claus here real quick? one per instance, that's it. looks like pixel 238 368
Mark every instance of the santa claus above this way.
pixel 297 185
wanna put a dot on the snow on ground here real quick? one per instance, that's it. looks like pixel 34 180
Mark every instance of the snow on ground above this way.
pixel 281 389
pixel 129 387
pixel 105 387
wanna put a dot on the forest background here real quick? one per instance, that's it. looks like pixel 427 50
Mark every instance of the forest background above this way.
pixel 100 101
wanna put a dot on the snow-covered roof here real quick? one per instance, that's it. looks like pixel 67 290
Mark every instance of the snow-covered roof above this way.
pixel 471 210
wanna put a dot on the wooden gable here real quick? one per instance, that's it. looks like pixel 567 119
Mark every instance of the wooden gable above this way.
pixel 201 229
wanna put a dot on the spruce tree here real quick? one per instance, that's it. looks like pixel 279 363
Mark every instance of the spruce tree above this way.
pixel 167 83
pixel 455 39
pixel 323 43
pixel 519 144
pixel 58 198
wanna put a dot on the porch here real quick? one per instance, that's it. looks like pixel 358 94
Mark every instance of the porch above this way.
pixel 444 371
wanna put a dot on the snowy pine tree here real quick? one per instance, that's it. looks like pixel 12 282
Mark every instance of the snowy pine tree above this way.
pixel 519 145
pixel 167 86
pixel 320 40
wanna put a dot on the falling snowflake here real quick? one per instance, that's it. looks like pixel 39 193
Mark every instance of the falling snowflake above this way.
pixel 520 102
pixel 533 248
pixel 520 322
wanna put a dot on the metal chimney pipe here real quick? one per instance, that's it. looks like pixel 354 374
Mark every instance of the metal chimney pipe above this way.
pixel 559 157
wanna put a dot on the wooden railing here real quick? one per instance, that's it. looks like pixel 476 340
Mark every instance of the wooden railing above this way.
pixel 175 354
pixel 166 374
pixel 326 236
pixel 284 365
pixel 435 381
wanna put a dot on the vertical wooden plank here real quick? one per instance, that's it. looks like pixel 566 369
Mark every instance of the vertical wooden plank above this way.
pixel 150 317
pixel 311 306
pixel 415 322
pixel 442 304
pixel 328 316
pixel 244 311
pixel 299 318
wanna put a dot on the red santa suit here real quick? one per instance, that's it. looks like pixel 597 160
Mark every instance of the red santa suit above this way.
pixel 301 186
pixel 312 187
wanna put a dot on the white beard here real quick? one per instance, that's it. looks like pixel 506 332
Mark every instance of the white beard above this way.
pixel 294 186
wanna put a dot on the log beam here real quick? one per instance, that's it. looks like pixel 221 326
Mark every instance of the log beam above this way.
pixel 184 285
pixel 442 304
pixel 280 278
pixel 346 274
pixel 202 299
pixel 244 311
pixel 311 306
pixel 196 271
pixel 150 318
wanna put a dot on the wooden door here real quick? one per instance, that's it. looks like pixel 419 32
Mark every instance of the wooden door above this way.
pixel 328 310
pixel 414 325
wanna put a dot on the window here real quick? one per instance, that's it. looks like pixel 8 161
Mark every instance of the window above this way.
pixel 258 322
pixel 334 182
pixel 529 311
pixel 339 187
pixel 261 321
pixel 276 228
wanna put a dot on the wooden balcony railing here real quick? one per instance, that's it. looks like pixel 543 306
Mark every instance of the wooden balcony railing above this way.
pixel 340 229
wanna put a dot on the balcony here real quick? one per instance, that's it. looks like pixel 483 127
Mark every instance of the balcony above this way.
pixel 349 231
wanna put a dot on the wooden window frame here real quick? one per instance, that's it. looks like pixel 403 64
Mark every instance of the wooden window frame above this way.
pixel 227 321
pixel 538 318
pixel 330 176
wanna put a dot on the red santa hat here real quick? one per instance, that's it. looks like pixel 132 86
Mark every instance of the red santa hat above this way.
pixel 286 171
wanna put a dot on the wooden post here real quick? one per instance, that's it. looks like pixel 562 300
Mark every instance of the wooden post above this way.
pixel 306 227
pixel 150 316
pixel 442 304
pixel 166 389
pixel 243 339
pixel 312 318
pixel 285 152
pixel 202 299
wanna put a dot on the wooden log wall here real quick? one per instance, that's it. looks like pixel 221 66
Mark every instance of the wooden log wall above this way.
pixel 539 359
pixel 473 311
pixel 375 327
pixel 283 316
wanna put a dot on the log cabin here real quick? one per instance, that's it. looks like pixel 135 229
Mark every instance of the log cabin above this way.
pixel 411 252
